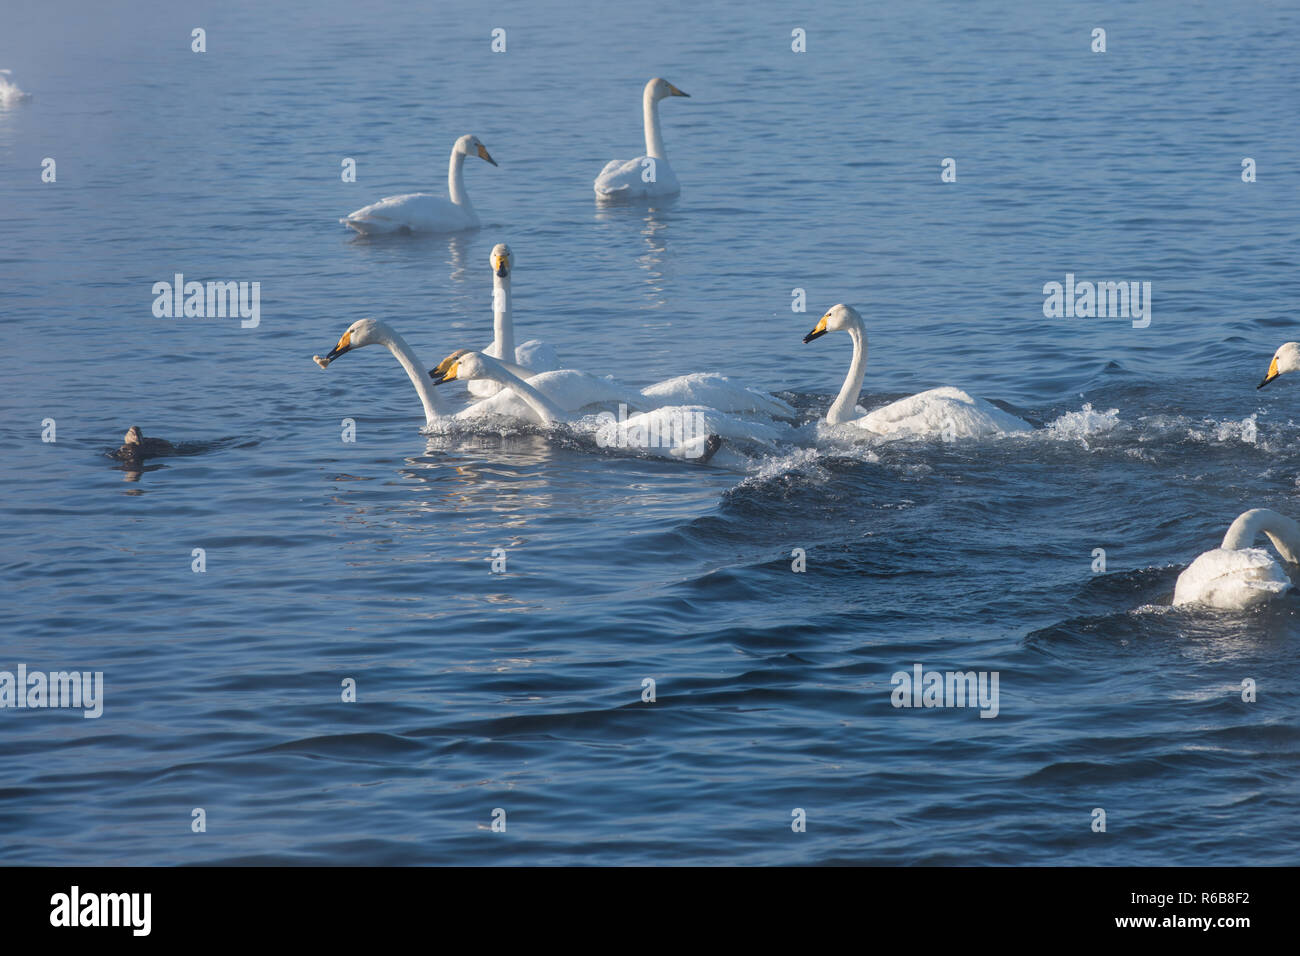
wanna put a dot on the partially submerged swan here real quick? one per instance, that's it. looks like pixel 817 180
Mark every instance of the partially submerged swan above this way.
pixel 943 412
pixel 1236 575
pixel 136 448
pixel 648 175
pixel 534 355
pixel 1285 359
pixel 425 212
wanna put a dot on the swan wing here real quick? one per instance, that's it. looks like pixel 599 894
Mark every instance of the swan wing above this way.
pixel 1231 579
pixel 537 355
pixel 625 178
pixel 942 412
pixel 718 392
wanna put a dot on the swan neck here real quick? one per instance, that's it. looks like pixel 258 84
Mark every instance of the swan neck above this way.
pixel 842 409
pixel 456 179
pixel 546 410
pixel 1281 530
pixel 434 406
pixel 654 140
pixel 503 329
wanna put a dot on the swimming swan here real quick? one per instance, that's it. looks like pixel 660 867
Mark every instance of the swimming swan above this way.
pixel 627 178
pixel 946 412
pixel 471 365
pixel 564 387
pixel 1285 359
pixel 365 332
pixel 534 354
pixel 425 212
pixel 1235 575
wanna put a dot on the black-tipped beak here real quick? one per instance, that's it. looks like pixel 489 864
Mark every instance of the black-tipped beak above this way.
pixel 437 378
pixel 336 352
pixel 674 91
pixel 1265 382
pixel 502 271
pixel 814 334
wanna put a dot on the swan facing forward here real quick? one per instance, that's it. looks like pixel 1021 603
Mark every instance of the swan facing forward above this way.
pixel 9 91
pixel 425 212
pixel 533 355
pixel 648 175
pixel 944 412
pixel 1285 359
pixel 1235 576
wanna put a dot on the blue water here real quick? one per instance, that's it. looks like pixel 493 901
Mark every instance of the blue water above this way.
pixel 522 691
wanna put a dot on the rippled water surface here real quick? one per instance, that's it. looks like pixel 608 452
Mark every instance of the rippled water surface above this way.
pixel 371 560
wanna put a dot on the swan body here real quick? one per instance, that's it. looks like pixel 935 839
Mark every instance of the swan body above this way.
pixel 717 392
pixel 425 212
pixel 947 412
pixel 1285 359
pixel 533 356
pixel 648 175
pixel 1235 575
pixel 9 91
pixel 470 365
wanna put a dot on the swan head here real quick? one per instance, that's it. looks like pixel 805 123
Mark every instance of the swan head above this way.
pixel 837 318
pixel 502 260
pixel 360 333
pixel 462 366
pixel 133 436
pixel 470 145
pixel 660 89
pixel 1285 359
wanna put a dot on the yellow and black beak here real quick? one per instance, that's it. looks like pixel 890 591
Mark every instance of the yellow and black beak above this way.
pixel 441 375
pixel 483 154
pixel 818 331
pixel 501 264
pixel 345 345
pixel 676 92
pixel 1272 373
pixel 447 368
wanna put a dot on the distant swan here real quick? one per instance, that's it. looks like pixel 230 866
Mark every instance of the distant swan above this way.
pixel 9 91
pixel 627 178
pixel 1235 575
pixel 471 365
pixel 534 355
pixel 1285 359
pixel 947 412
pixel 425 212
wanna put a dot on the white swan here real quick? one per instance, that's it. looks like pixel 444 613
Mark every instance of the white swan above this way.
pixel 365 332
pixel 1285 359
pixel 1235 575
pixel 9 91
pixel 945 412
pixel 648 175
pixel 425 212
pixel 717 392
pixel 566 388
pixel 534 355
pixel 698 447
